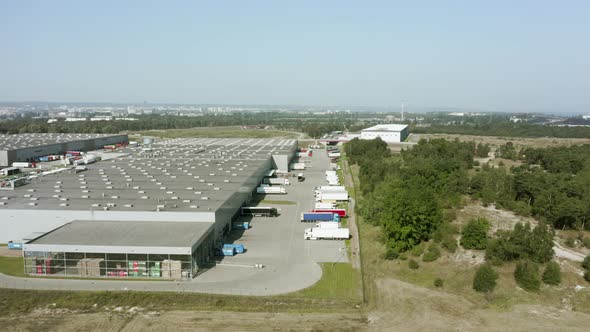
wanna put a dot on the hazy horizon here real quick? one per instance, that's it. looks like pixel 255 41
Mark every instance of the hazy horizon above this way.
pixel 501 56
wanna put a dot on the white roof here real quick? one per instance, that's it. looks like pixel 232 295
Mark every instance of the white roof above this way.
pixel 386 127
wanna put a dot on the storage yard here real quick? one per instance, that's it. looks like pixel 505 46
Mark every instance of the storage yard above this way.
pixel 173 210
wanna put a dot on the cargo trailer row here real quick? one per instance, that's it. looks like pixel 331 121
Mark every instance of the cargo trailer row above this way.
pixel 337 196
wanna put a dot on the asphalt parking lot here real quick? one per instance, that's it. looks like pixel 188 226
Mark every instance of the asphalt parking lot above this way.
pixel 290 262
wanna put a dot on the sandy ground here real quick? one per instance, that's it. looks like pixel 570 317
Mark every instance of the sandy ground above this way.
pixel 413 308
pixel 4 251
pixel 56 320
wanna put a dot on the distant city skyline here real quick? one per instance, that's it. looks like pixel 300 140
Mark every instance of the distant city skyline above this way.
pixel 525 56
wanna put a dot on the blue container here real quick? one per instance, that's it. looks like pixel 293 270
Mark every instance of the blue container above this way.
pixel 318 216
pixel 239 248
pixel 228 250
pixel 336 217
pixel 15 246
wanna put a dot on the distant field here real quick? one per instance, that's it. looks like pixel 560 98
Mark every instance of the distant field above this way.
pixel 219 132
pixel 535 142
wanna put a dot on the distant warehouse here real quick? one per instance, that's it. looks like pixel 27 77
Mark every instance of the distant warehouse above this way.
pixel 27 147
pixel 390 133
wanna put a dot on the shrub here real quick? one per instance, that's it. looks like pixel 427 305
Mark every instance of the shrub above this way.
pixel 586 263
pixel 587 276
pixel 449 243
pixel 438 282
pixel 392 253
pixel 527 275
pixel 474 234
pixel 552 274
pixel 586 242
pixel 522 243
pixel 432 254
pixel 412 264
pixel 570 242
pixel 485 279
pixel 418 250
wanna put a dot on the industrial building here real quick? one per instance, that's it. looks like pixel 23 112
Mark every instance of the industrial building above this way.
pixel 389 133
pixel 157 211
pixel 26 147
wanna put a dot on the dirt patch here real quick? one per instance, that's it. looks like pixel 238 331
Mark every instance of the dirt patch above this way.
pixel 4 251
pixel 499 219
pixel 407 307
pixel 189 321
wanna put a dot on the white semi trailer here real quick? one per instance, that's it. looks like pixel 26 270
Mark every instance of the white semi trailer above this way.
pixel 271 190
pixel 319 233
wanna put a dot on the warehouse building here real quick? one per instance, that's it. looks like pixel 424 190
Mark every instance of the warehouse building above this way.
pixel 177 198
pixel 389 133
pixel 27 147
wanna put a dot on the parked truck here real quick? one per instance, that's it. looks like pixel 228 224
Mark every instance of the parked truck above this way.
pixel 333 155
pixel 271 190
pixel 23 164
pixel 332 196
pixel 319 233
pixel 339 212
pixel 260 211
pixel 298 166
pixel 319 216
pixel 276 181
pixel 331 188
pixel 320 205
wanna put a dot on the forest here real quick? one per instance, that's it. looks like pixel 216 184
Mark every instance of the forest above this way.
pixel 410 194
pixel 505 129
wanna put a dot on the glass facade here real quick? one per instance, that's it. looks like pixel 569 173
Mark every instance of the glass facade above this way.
pixel 108 265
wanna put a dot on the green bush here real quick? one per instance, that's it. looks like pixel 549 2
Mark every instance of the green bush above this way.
pixel 526 275
pixel 418 249
pixel 586 263
pixel 412 264
pixel 474 234
pixel 552 274
pixel 586 242
pixel 485 279
pixel 438 282
pixel 587 276
pixel 522 243
pixel 432 254
pixel 449 243
pixel 570 242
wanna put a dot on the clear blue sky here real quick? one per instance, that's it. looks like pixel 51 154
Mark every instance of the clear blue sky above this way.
pixel 501 55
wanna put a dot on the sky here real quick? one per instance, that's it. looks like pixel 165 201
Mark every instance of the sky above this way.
pixel 504 55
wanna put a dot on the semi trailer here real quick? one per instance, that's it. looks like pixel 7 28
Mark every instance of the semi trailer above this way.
pixel 260 211
pixel 319 216
pixel 276 181
pixel 319 233
pixel 271 190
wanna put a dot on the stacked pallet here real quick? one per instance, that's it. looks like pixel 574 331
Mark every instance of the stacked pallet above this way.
pixel 90 267
pixel 171 269
pixel 138 269
pixel 94 267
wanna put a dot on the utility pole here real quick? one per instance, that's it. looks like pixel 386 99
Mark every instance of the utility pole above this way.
pixel 403 107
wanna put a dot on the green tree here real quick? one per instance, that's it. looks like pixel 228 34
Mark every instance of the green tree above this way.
pixel 552 274
pixel 474 234
pixel 485 279
pixel 412 264
pixel 526 275
pixel 586 263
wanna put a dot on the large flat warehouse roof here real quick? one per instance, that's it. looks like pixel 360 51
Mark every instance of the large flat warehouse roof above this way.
pixel 177 175
pixel 126 233
pixel 21 141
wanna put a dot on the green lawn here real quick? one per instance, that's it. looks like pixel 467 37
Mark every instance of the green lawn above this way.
pixel 339 281
pixel 13 266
